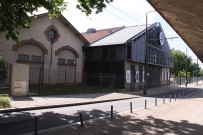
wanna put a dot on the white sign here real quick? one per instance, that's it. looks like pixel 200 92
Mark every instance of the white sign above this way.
pixel 127 76
pixel 168 75
pixel 165 76
pixel 137 76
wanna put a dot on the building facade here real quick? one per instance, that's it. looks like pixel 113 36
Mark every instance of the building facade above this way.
pixel 121 54
pixel 50 44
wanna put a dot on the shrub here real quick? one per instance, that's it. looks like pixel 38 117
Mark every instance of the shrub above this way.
pixel 5 102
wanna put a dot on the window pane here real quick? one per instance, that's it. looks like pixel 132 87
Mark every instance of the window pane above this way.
pixel 70 61
pixel 23 57
pixel 61 61
pixel 36 58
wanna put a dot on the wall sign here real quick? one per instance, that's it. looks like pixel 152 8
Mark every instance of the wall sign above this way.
pixel 137 76
pixel 128 76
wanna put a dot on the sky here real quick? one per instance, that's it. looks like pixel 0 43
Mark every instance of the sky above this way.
pixel 124 13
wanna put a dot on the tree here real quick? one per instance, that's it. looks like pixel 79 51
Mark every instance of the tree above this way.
pixel 180 63
pixel 14 14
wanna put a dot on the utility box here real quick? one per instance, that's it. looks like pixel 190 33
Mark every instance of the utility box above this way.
pixel 19 79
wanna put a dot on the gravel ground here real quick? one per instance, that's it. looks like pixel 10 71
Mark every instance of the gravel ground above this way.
pixel 178 117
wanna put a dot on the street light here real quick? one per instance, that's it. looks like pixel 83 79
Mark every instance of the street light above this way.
pixel 146 49
pixel 146 53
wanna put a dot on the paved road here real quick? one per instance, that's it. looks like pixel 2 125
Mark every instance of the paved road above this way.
pixel 23 122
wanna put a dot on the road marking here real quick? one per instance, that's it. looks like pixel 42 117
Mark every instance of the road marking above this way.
pixel 193 93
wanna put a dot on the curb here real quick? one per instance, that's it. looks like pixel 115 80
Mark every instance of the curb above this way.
pixel 57 106
pixel 67 105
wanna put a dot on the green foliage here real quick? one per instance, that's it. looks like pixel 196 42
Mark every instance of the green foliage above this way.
pixel 86 6
pixel 5 102
pixel 3 70
pixel 14 14
pixel 180 63
pixel 182 74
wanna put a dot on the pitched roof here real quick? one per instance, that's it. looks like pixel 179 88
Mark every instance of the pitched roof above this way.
pixel 69 25
pixel 99 34
pixel 121 36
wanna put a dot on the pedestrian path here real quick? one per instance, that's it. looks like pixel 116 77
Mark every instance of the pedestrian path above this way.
pixel 78 98
pixel 36 101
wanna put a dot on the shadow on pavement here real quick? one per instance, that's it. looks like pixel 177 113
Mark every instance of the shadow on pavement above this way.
pixel 23 122
pixel 128 125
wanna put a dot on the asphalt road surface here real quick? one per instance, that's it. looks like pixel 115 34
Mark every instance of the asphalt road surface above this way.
pixel 23 122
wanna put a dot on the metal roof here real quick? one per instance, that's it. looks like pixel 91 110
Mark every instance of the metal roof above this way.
pixel 121 36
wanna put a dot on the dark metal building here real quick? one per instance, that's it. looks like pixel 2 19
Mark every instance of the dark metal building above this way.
pixel 120 55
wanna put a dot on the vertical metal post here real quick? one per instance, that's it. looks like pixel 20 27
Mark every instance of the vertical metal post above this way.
pixel 175 97
pixel 186 68
pixel 163 99
pixel 197 71
pixel 101 82
pixel 111 111
pixel 145 104
pixel 39 87
pixel 156 101
pixel 170 98
pixel 145 64
pixel 36 126
pixel 85 82
pixel 179 96
pixel 81 120
pixel 131 108
pixel 65 83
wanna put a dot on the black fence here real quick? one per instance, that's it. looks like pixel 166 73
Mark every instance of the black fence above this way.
pixel 5 78
pixel 55 81
pixel 62 81
pixel 110 80
pixel 182 80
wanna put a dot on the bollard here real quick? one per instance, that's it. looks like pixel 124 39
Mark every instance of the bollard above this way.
pixel 170 98
pixel 163 99
pixel 131 108
pixel 111 111
pixel 145 104
pixel 175 97
pixel 179 96
pixel 36 125
pixel 81 120
pixel 156 101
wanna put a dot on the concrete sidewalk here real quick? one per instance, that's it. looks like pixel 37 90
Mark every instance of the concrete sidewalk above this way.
pixel 173 118
pixel 21 103
pixel 89 97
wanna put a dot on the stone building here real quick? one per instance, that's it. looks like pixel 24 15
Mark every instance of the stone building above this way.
pixel 54 45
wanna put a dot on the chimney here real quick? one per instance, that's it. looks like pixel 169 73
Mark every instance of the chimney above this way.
pixel 91 30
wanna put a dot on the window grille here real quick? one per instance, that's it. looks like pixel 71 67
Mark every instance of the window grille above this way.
pixel 36 58
pixel 70 61
pixel 23 57
pixel 61 61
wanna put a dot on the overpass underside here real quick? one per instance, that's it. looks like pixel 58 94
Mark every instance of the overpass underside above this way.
pixel 186 18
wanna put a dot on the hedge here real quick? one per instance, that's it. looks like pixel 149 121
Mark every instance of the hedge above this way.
pixel 5 102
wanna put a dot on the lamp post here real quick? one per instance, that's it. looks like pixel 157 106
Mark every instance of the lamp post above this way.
pixel 197 71
pixel 146 55
pixel 186 68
